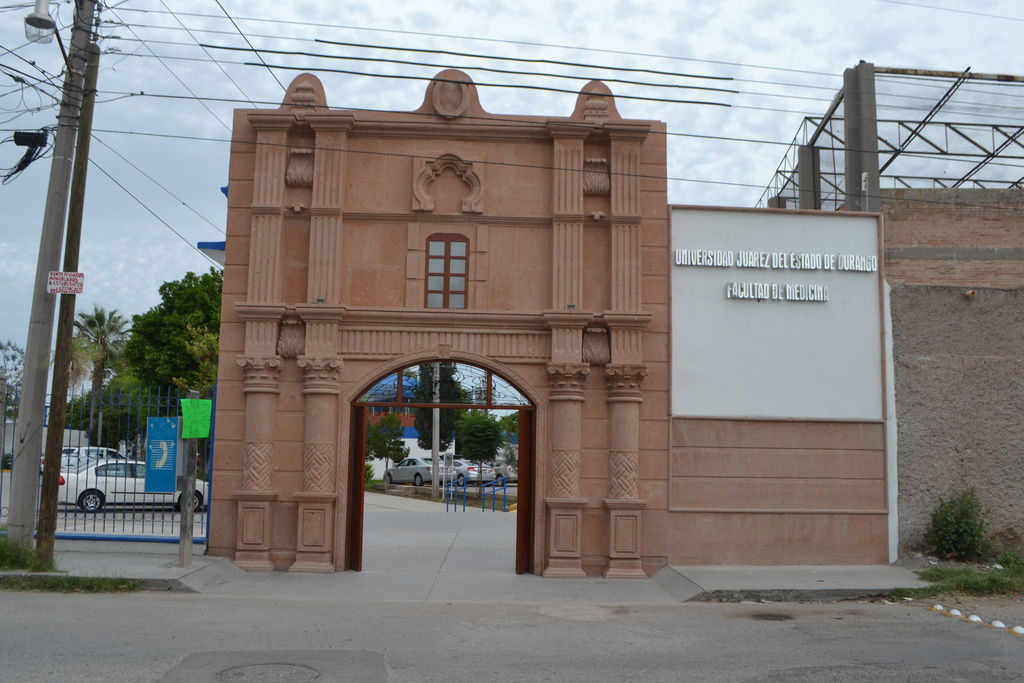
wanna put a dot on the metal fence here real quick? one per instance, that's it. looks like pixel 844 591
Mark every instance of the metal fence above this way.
pixel 102 493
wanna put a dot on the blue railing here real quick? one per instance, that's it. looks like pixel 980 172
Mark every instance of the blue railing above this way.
pixel 493 486
pixel 451 495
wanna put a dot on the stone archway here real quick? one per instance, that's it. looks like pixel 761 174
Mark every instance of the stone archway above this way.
pixel 469 387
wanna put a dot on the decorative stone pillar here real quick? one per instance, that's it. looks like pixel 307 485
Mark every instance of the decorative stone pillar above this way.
pixel 317 498
pixel 565 505
pixel 624 504
pixel 328 183
pixel 253 539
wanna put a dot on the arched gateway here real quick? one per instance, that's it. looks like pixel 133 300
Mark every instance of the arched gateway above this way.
pixel 459 386
pixel 363 242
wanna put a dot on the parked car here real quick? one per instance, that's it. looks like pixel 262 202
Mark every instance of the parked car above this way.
pixel 415 471
pixel 467 471
pixel 95 484
pixel 509 472
pixel 72 457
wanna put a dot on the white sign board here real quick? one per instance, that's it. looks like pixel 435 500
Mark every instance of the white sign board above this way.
pixel 64 283
pixel 776 314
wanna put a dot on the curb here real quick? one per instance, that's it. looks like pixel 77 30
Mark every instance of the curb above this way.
pixel 793 595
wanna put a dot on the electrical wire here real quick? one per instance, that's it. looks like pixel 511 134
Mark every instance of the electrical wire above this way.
pixel 246 39
pixel 92 162
pixel 177 78
pixel 219 66
pixel 160 185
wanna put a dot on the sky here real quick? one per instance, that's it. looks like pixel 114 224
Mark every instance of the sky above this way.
pixel 164 108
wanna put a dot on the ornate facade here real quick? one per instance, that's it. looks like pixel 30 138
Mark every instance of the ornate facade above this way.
pixel 565 295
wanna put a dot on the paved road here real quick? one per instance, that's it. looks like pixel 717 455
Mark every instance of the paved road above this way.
pixel 174 637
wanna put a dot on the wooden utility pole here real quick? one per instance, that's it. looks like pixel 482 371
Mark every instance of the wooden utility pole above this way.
pixel 188 488
pixel 66 324
pixel 29 433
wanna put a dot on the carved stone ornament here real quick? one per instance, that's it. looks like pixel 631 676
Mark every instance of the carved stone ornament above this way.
pixel 596 347
pixel 596 107
pixel 568 376
pixel 428 171
pixel 565 473
pixel 300 168
pixel 261 372
pixel 596 179
pixel 318 463
pixel 291 340
pixel 319 370
pixel 257 466
pixel 625 378
pixel 623 472
pixel 450 97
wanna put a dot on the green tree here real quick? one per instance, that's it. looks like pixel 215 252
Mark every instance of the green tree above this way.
pixel 450 391
pixel 170 343
pixel 12 366
pixel 102 337
pixel 384 439
pixel 479 436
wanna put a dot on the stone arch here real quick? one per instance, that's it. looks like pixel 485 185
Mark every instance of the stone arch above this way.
pixel 530 526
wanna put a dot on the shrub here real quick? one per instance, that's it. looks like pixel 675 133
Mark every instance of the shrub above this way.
pixel 367 474
pixel 959 527
pixel 1011 559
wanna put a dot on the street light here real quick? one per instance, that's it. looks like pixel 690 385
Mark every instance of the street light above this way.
pixel 38 24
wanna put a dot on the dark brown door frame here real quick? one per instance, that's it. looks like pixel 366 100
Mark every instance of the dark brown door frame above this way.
pixel 357 460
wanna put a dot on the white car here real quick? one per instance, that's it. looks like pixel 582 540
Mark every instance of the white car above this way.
pixel 119 482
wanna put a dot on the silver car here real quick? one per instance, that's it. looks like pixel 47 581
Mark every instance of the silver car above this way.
pixel 414 471
pixel 467 471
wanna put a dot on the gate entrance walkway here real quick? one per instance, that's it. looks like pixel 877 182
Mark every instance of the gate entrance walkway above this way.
pixel 414 550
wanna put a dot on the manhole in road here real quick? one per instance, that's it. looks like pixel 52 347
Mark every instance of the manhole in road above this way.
pixel 771 616
pixel 269 673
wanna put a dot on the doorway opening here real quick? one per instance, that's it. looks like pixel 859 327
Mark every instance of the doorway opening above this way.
pixel 432 393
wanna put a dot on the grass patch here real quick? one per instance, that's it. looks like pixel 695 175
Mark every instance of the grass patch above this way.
pixel 967 581
pixel 13 556
pixel 67 584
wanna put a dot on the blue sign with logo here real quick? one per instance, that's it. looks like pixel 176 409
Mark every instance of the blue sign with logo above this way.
pixel 163 441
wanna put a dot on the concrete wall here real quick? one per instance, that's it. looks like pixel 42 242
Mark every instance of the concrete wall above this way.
pixel 959 403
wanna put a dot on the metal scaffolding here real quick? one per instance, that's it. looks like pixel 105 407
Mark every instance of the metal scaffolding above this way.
pixel 935 129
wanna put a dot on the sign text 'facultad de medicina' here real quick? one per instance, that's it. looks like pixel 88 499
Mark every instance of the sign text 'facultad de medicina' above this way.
pixel 775 260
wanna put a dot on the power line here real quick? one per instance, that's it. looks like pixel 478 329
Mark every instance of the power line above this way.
pixel 152 213
pixel 521 43
pixel 350 150
pixel 185 85
pixel 226 74
pixel 161 186
pixel 246 39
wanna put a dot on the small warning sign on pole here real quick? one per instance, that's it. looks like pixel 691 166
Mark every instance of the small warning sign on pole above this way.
pixel 64 283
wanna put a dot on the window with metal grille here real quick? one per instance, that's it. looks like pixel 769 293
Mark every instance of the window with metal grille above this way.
pixel 447 270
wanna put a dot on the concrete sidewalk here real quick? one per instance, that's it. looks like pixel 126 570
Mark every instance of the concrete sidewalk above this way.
pixel 414 550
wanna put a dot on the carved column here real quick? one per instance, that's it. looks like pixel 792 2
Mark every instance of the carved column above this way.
pixel 325 232
pixel 624 504
pixel 253 538
pixel 565 505
pixel 567 211
pixel 317 498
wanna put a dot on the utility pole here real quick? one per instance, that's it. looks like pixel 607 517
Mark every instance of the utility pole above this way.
pixel 28 436
pixel 188 487
pixel 435 432
pixel 66 324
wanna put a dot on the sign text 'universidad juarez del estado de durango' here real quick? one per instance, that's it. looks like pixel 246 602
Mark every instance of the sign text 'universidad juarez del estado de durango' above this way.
pixel 752 260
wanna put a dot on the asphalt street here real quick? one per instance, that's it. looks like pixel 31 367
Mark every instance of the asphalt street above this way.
pixel 437 601
pixel 190 637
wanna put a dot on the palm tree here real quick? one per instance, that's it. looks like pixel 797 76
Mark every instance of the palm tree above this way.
pixel 103 336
